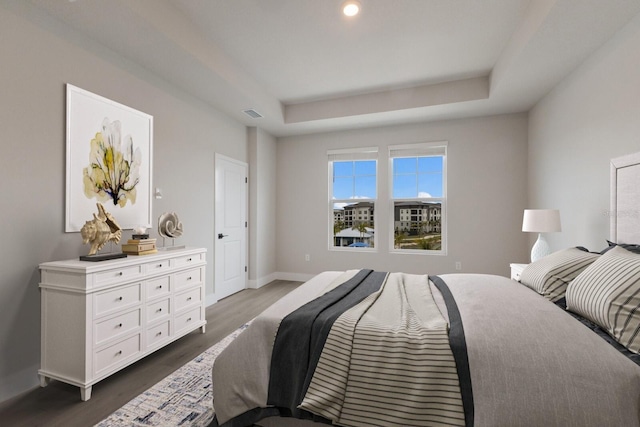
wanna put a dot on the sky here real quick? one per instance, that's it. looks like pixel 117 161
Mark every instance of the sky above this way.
pixel 413 177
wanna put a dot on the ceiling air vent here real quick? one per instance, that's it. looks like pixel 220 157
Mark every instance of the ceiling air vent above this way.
pixel 252 113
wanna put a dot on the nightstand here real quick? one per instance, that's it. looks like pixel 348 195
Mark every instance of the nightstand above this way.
pixel 516 270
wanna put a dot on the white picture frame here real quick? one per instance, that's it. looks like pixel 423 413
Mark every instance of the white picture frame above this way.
pixel 109 157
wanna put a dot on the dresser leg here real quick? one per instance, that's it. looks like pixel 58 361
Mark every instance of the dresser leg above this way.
pixel 85 393
pixel 44 381
pixel 203 328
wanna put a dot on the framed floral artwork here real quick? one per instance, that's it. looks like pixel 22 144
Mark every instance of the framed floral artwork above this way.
pixel 109 160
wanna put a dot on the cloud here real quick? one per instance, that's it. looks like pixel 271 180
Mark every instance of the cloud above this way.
pixel 424 195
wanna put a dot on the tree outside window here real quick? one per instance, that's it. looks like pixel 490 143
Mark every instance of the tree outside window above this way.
pixel 352 199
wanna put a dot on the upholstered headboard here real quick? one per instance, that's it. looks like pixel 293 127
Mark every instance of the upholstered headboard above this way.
pixel 625 199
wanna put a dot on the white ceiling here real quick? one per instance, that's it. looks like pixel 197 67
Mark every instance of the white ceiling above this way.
pixel 306 68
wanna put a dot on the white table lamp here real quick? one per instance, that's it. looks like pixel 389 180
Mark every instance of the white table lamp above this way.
pixel 541 221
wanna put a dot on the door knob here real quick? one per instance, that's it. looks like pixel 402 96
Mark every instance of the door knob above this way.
pixel 220 235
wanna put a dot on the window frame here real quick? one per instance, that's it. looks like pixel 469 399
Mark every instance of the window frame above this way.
pixel 422 149
pixel 352 154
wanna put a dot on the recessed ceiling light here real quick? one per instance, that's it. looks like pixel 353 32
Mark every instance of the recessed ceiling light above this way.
pixel 351 7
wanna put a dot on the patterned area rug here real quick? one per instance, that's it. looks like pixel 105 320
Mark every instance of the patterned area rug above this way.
pixel 182 399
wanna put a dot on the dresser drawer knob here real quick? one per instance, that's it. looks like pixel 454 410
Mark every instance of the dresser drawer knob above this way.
pixel 159 310
pixel 188 259
pixel 189 319
pixel 159 265
pixel 189 278
pixel 119 353
pixel 189 299
pixel 120 273
pixel 119 298
pixel 119 325
pixel 160 287
pixel 159 333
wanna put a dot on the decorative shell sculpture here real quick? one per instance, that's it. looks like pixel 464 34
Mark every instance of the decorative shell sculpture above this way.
pixel 101 229
pixel 169 225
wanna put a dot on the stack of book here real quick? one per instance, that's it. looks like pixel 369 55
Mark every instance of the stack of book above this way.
pixel 140 245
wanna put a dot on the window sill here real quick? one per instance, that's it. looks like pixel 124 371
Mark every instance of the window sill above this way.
pixel 420 252
pixel 354 250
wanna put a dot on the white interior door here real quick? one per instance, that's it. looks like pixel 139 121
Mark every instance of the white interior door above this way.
pixel 230 226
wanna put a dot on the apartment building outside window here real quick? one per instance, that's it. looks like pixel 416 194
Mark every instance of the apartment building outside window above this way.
pixel 418 192
pixel 352 198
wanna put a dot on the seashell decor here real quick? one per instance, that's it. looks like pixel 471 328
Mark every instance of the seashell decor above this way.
pixel 101 229
pixel 169 225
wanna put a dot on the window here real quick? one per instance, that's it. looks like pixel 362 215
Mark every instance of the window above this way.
pixel 352 198
pixel 418 193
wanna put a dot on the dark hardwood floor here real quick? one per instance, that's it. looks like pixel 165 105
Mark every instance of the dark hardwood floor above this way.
pixel 59 404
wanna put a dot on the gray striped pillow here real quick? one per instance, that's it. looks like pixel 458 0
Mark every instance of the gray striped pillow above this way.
pixel 550 275
pixel 608 294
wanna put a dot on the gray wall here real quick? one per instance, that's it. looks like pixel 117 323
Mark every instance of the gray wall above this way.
pixel 486 196
pixel 39 57
pixel 591 117
pixel 494 174
pixel 262 207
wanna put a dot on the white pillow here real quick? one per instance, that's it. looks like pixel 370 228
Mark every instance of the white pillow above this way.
pixel 608 294
pixel 550 275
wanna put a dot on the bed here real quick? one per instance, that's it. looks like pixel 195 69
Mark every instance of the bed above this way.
pixel 369 348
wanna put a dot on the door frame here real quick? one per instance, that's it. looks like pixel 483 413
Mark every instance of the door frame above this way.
pixel 245 165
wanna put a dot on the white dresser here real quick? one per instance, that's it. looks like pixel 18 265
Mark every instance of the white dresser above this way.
pixel 98 317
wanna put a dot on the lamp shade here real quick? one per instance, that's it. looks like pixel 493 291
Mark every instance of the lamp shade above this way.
pixel 541 220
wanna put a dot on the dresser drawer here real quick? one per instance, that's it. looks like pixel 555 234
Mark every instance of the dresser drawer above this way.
pixel 115 326
pixel 188 319
pixel 117 354
pixel 185 299
pixel 117 299
pixel 157 287
pixel 119 274
pixel 158 310
pixel 158 334
pixel 187 278
pixel 187 260
pixel 157 266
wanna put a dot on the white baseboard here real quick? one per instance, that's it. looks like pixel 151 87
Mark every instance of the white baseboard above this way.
pixel 210 299
pixel 260 282
pixel 18 382
pixel 295 277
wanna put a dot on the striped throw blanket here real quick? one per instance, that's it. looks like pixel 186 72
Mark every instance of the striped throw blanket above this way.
pixel 386 361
